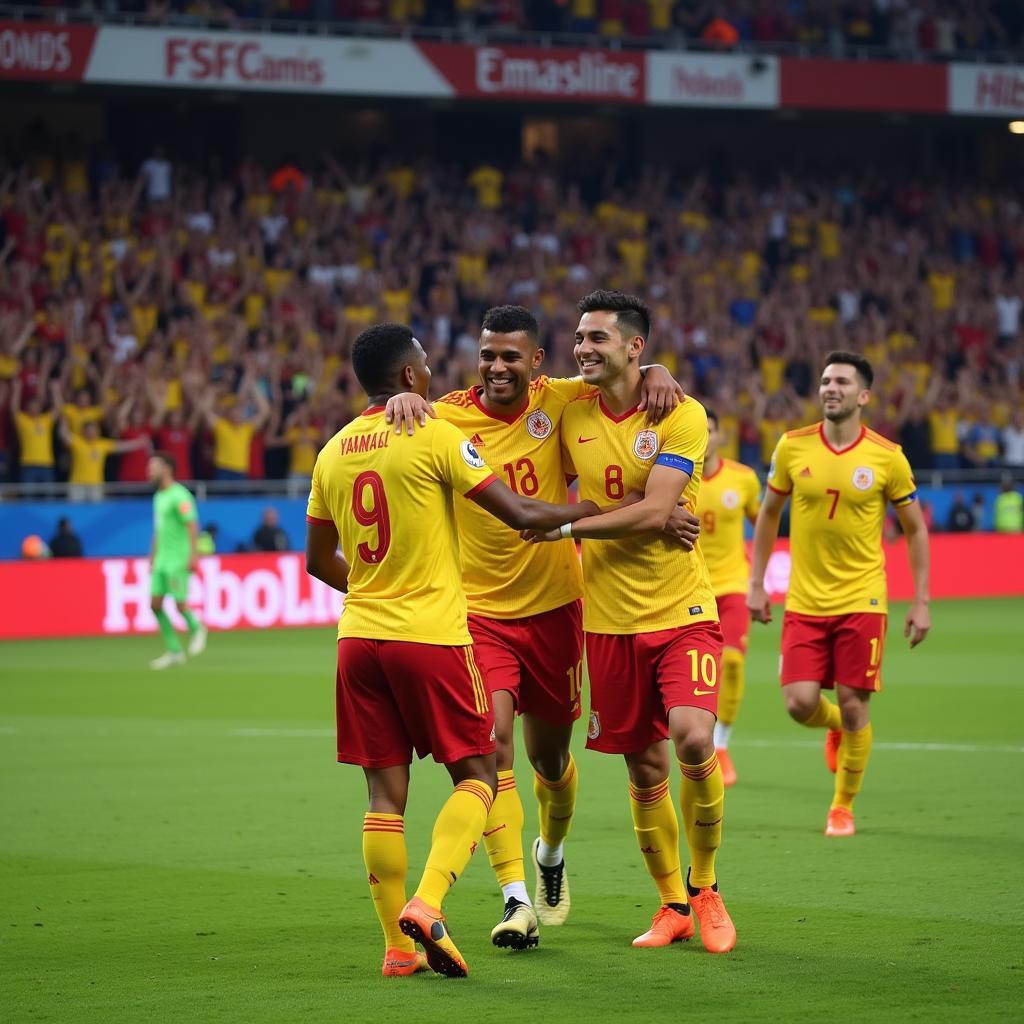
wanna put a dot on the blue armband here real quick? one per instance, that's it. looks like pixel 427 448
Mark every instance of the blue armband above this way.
pixel 675 462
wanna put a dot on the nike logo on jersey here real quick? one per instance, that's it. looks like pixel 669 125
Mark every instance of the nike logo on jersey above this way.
pixel 493 830
pixel 702 693
pixel 583 440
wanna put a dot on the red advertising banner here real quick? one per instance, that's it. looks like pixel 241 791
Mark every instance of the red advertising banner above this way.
pixel 532 73
pixel 821 84
pixel 41 52
pixel 110 596
pixel 96 597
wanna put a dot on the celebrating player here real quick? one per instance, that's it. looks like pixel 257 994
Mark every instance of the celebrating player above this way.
pixel 729 492
pixel 524 603
pixel 407 679
pixel 174 558
pixel 840 475
pixel 652 635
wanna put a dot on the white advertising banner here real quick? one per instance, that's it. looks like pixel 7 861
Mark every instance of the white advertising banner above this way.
pixel 710 80
pixel 263 61
pixel 992 89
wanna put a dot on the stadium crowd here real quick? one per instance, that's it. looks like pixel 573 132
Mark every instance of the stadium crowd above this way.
pixel 938 27
pixel 213 318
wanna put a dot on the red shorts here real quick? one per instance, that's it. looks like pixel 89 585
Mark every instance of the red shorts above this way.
pixel 538 660
pixel 636 680
pixel 833 649
pixel 395 697
pixel 734 618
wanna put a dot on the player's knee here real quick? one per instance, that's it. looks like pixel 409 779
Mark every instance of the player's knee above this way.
pixel 799 706
pixel 550 764
pixel 694 746
pixel 156 603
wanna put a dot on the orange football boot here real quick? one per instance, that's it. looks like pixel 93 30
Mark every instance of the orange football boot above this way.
pixel 668 926
pixel 717 931
pixel 832 740
pixel 400 964
pixel 728 768
pixel 427 926
pixel 840 822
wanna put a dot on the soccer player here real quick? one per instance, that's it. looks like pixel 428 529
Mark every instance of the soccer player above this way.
pixel 652 635
pixel 525 613
pixel 407 679
pixel 840 476
pixel 174 557
pixel 729 493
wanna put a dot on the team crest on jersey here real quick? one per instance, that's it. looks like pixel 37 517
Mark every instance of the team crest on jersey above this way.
pixel 471 455
pixel 646 445
pixel 538 425
pixel 730 499
pixel 863 478
pixel 594 728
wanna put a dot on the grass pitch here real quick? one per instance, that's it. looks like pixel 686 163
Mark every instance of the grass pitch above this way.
pixel 181 847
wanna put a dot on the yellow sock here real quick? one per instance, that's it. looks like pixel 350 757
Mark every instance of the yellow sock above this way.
pixel 657 832
pixel 825 716
pixel 556 802
pixel 456 834
pixel 386 866
pixel 733 681
pixel 853 759
pixel 702 798
pixel 503 831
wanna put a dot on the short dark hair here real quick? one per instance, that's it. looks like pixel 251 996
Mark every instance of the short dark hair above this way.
pixel 168 460
pixel 632 313
pixel 509 320
pixel 859 363
pixel 712 415
pixel 379 353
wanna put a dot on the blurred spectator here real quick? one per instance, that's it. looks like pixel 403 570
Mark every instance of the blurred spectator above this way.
pixel 65 542
pixel 89 451
pixel 270 535
pixel 1009 513
pixel 961 517
pixel 206 541
pixel 1013 441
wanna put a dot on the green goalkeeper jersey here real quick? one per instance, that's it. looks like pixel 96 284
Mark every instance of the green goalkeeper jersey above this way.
pixel 173 509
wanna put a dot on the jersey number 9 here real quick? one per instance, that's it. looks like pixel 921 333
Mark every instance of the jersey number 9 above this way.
pixel 373 514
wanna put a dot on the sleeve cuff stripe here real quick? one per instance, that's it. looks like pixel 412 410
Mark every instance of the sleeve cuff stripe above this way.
pixel 319 522
pixel 480 486
pixel 777 490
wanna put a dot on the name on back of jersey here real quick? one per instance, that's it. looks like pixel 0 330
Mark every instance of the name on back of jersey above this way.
pixel 365 442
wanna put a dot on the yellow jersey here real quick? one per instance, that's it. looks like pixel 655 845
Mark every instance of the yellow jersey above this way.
pixel 88 459
pixel 303 444
pixel 231 445
pixel 644 582
pixel 503 577
pixel 77 416
pixel 836 517
pixel 725 499
pixel 35 438
pixel 390 497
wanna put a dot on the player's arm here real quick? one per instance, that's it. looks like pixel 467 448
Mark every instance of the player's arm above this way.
pixel 665 484
pixel 130 446
pixel 323 559
pixel 527 513
pixel 766 532
pixel 660 392
pixel 918 620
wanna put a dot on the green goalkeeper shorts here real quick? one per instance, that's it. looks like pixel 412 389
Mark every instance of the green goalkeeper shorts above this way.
pixel 170 579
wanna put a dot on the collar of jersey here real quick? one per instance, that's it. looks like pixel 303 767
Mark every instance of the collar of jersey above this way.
pixel 505 417
pixel 711 476
pixel 841 451
pixel 373 410
pixel 622 416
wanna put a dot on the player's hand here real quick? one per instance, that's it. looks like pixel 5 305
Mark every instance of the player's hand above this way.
pixel 407 410
pixel 758 603
pixel 919 621
pixel 539 536
pixel 659 394
pixel 683 526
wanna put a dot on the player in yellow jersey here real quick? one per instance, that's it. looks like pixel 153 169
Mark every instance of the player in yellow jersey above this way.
pixel 840 476
pixel 729 493
pixel 406 678
pixel 524 603
pixel 653 641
